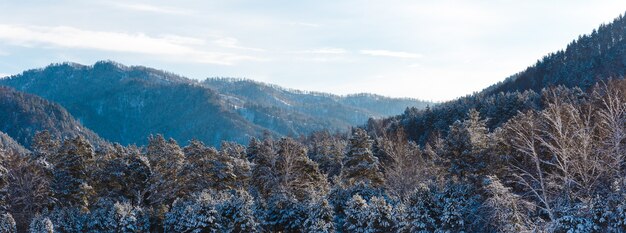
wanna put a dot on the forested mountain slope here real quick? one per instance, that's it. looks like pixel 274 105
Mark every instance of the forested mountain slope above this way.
pixel 590 59
pixel 22 115
pixel 126 104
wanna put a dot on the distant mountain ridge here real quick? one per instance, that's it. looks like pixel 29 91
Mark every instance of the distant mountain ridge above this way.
pixel 125 104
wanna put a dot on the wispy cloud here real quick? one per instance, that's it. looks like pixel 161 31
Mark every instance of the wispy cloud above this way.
pixel 233 43
pixel 325 51
pixel 171 47
pixel 152 8
pixel 304 24
pixel 387 53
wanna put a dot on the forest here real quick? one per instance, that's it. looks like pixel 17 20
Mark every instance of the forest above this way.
pixel 559 169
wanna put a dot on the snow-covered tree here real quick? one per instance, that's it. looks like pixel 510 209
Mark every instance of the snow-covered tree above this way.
pixel 7 223
pixel 200 213
pixel 422 213
pixel 238 213
pixel 70 185
pixel 466 146
pixel 41 224
pixel 320 216
pixel 360 165
pixel 117 217
pixel 297 173
pixel 381 217
pixel 357 215
pixel 264 176
pixel 68 219
pixel 506 212
pixel 284 213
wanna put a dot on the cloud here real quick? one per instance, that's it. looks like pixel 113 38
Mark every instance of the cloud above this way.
pixel 233 43
pixel 387 53
pixel 303 24
pixel 170 47
pixel 152 8
pixel 325 51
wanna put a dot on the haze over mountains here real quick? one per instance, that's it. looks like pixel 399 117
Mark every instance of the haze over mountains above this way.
pixel 127 104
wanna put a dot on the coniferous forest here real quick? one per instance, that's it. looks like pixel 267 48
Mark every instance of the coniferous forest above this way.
pixel 542 151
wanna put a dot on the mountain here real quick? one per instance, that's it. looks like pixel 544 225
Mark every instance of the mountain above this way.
pixel 22 115
pixel 126 104
pixel 590 59
pixel 261 103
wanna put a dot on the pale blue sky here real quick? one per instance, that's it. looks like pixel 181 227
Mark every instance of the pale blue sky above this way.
pixel 433 50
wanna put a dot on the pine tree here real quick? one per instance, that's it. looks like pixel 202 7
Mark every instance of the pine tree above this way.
pixel 296 172
pixel 422 212
pixel 506 211
pixel 68 219
pixel 357 215
pixel 41 224
pixel 238 214
pixel 284 213
pixel 466 146
pixel 381 216
pixel 166 181
pixel 320 216
pixel 44 145
pixel 117 217
pixel 264 176
pixel 70 174
pixel 7 223
pixel 360 165
pixel 196 214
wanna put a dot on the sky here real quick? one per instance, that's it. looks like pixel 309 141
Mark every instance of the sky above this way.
pixel 431 50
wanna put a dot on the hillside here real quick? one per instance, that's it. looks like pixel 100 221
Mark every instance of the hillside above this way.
pixel 126 104
pixel 22 115
pixel 592 58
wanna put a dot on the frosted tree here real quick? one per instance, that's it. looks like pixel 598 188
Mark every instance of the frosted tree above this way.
pixel 320 216
pixel 357 215
pixel 196 214
pixel 284 213
pixel 381 216
pixel 296 172
pixel 459 208
pixel 68 219
pixel 422 213
pixel 198 167
pixel 238 214
pixel 466 146
pixel 506 212
pixel 7 223
pixel 264 176
pixel 117 217
pixel 229 169
pixel 44 145
pixel 166 181
pixel 70 174
pixel 360 165
pixel 41 224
